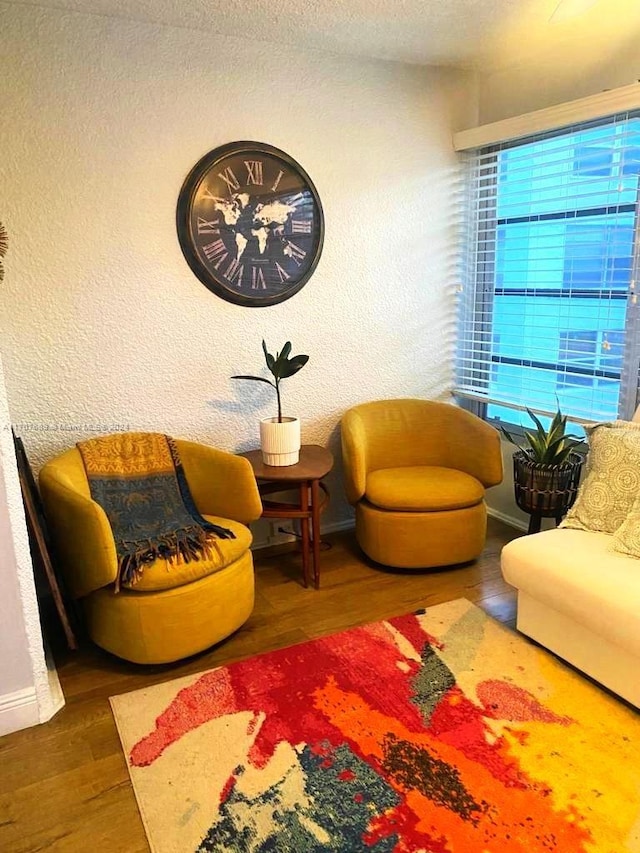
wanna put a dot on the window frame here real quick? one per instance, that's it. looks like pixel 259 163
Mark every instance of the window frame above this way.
pixel 482 277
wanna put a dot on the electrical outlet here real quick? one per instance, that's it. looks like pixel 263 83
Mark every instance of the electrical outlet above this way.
pixel 281 531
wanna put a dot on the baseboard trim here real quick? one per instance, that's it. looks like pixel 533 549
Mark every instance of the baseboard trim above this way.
pixel 18 710
pixel 339 526
pixel 56 696
pixel 335 527
pixel 349 524
pixel 507 519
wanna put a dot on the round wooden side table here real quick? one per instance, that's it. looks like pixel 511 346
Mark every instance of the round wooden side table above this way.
pixel 315 463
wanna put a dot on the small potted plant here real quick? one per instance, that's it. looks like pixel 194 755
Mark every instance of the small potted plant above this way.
pixel 279 436
pixel 546 469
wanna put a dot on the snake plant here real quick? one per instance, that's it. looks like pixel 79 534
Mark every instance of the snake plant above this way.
pixel 549 446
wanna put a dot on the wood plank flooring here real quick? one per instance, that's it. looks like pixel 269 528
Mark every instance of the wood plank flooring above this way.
pixel 64 785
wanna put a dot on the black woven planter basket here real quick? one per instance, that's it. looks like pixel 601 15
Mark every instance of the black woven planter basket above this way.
pixel 546 490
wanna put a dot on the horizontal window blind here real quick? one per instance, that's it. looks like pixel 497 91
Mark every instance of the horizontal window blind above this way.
pixel 548 309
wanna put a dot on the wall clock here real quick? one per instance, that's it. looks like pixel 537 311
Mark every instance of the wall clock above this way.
pixel 250 223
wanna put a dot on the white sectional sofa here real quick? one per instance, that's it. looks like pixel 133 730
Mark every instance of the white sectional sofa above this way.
pixel 580 599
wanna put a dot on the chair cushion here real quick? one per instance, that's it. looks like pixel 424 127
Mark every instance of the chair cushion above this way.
pixel 422 488
pixel 160 575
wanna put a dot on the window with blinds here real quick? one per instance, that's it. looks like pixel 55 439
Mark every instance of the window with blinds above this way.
pixel 548 312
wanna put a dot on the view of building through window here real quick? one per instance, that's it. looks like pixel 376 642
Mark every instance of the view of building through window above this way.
pixel 557 219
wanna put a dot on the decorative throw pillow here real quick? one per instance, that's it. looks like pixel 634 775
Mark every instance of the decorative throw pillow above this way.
pixel 627 537
pixel 611 481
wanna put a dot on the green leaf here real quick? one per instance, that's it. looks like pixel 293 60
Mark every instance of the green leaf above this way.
pixel 279 369
pixel 294 365
pixel 558 421
pixel 510 438
pixel 558 450
pixel 556 431
pixel 286 349
pixel 268 357
pixel 554 448
pixel 537 446
pixel 508 435
pixel 254 379
pixel 537 422
pixel 562 456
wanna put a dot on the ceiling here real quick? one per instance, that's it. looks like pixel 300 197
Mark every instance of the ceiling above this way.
pixel 477 34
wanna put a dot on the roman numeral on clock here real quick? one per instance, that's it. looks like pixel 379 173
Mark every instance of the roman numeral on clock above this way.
pixel 254 172
pixel 234 272
pixel 299 226
pixel 215 252
pixel 277 181
pixel 284 275
pixel 230 179
pixel 257 279
pixel 295 252
pixel 206 227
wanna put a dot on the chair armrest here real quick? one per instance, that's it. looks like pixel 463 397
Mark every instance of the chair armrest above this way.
pixel 81 536
pixel 354 456
pixel 476 449
pixel 221 483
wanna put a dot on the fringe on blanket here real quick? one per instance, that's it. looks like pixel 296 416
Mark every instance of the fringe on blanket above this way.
pixel 181 546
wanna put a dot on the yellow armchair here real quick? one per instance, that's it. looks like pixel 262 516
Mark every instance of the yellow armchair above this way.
pixel 172 612
pixel 416 472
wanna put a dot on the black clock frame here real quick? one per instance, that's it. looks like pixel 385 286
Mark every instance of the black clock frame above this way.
pixel 186 236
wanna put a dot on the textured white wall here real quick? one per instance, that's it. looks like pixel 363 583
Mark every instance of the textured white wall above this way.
pixel 28 692
pixel 587 66
pixel 103 325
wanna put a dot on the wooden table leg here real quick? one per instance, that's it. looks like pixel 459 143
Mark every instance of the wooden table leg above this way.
pixel 315 530
pixel 304 529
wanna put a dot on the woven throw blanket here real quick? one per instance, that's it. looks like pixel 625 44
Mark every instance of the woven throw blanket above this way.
pixel 138 480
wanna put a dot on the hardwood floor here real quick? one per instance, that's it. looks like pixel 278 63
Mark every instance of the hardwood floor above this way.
pixel 64 785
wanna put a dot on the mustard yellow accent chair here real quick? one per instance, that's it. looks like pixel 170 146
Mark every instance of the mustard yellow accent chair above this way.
pixel 172 612
pixel 416 472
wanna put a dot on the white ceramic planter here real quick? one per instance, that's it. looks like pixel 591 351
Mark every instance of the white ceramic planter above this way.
pixel 280 442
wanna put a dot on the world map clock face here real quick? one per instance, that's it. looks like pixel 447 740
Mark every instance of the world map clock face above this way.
pixel 250 223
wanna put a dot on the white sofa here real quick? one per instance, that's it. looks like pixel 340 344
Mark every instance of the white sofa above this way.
pixel 580 599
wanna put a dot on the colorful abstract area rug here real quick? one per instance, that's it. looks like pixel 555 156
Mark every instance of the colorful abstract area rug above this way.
pixel 440 731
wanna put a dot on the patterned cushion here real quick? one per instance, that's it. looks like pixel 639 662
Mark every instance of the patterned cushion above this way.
pixel 627 536
pixel 611 482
